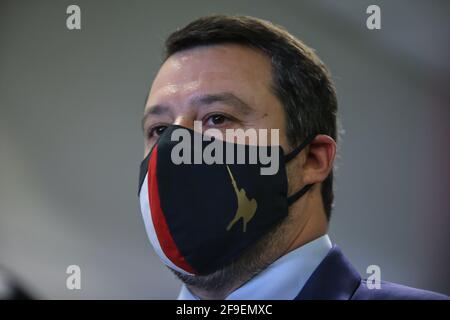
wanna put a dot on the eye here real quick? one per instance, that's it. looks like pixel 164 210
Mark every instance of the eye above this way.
pixel 216 119
pixel 156 130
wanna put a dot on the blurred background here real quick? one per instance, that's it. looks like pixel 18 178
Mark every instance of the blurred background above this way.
pixel 70 139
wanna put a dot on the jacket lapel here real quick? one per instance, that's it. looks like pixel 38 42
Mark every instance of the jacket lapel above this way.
pixel 334 279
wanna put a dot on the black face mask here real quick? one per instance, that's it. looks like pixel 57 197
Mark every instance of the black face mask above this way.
pixel 201 217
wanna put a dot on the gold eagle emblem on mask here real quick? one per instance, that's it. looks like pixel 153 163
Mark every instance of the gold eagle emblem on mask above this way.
pixel 246 207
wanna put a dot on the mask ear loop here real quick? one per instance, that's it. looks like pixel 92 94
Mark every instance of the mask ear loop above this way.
pixel 298 194
pixel 298 149
pixel 291 156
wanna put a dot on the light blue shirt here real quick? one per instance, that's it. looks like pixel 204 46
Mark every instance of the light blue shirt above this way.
pixel 284 278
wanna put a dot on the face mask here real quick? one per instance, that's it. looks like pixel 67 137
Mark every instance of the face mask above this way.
pixel 201 217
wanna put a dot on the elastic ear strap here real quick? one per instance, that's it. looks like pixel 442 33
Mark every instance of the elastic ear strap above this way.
pixel 298 149
pixel 298 194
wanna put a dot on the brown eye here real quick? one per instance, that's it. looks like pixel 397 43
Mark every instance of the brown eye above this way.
pixel 217 119
pixel 158 130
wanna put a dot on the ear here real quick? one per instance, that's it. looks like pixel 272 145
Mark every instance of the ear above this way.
pixel 319 160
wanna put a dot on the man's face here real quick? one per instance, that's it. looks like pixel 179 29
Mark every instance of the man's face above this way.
pixel 223 86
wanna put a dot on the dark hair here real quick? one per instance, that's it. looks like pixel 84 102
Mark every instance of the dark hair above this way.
pixel 300 79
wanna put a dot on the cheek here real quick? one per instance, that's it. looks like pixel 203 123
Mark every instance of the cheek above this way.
pixel 147 147
pixel 274 119
pixel 294 173
pixel 279 121
pixel 146 150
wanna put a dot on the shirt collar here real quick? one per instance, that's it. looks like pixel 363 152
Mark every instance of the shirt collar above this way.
pixel 284 278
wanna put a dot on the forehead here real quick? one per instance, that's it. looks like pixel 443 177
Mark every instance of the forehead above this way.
pixel 224 67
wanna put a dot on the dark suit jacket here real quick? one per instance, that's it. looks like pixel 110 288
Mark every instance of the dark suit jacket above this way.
pixel 336 279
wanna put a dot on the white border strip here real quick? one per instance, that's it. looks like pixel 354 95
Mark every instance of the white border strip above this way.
pixel 150 228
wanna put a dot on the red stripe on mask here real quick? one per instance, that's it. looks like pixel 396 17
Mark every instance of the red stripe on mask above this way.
pixel 165 239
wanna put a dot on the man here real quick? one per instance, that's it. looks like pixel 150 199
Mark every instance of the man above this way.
pixel 225 230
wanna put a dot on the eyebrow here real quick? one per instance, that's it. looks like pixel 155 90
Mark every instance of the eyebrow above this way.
pixel 227 98
pixel 156 110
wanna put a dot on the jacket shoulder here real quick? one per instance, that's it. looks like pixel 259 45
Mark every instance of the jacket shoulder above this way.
pixel 393 291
